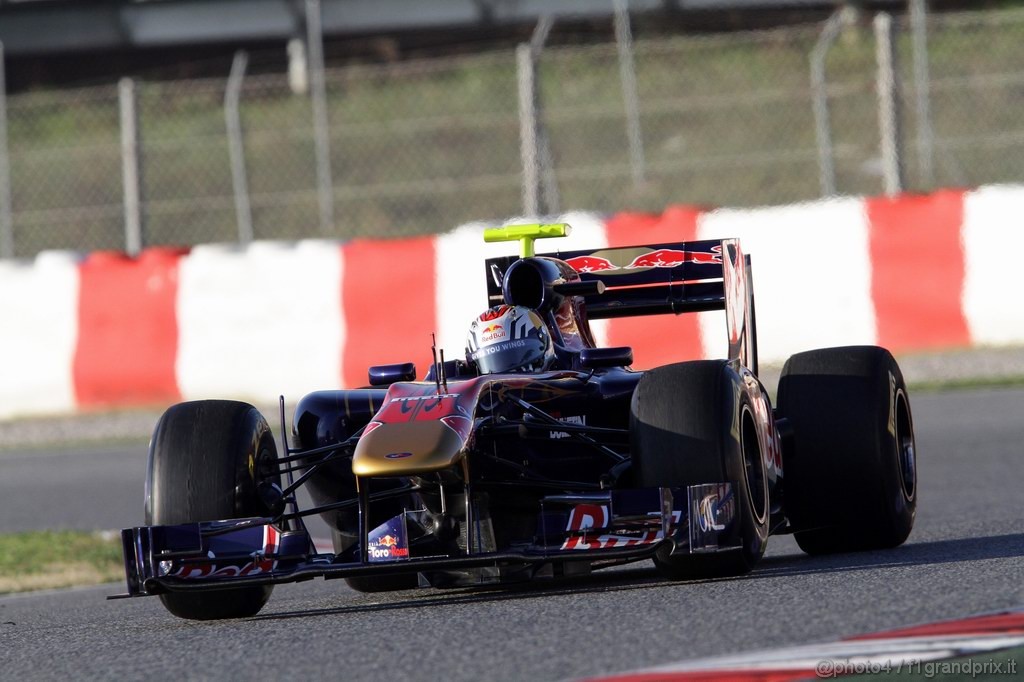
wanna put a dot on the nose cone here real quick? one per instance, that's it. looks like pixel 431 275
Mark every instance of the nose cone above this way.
pixel 406 449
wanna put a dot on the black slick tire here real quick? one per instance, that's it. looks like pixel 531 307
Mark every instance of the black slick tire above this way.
pixel 692 423
pixel 850 471
pixel 205 461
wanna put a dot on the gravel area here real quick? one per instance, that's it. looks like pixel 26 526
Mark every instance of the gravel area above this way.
pixel 984 365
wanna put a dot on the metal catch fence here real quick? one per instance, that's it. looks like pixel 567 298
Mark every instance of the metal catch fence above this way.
pixel 855 106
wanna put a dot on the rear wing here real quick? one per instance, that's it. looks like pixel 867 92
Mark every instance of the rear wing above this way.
pixel 681 277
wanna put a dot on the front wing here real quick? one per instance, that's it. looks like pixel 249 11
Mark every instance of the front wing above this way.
pixel 572 529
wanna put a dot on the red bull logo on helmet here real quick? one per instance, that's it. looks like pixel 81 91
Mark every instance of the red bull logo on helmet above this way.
pixel 492 333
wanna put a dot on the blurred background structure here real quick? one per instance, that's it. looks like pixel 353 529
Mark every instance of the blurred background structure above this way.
pixel 131 124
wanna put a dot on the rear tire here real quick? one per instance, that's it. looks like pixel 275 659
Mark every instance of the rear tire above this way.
pixel 851 470
pixel 683 432
pixel 205 460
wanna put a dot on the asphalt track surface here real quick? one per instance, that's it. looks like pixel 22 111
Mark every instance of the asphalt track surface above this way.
pixel 964 557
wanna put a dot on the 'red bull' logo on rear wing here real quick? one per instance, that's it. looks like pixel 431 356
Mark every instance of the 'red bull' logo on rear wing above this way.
pixel 591 264
pixel 671 258
pixel 657 258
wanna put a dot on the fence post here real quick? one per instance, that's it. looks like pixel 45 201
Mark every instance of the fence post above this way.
pixel 6 211
pixel 236 146
pixel 540 186
pixel 131 166
pixel 630 97
pixel 888 106
pixel 321 129
pixel 819 97
pixel 549 183
pixel 922 94
pixel 528 130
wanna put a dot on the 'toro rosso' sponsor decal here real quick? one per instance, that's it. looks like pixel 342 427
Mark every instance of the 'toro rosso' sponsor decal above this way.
pixel 389 541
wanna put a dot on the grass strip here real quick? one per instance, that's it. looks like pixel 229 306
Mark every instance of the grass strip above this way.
pixel 967 383
pixel 43 560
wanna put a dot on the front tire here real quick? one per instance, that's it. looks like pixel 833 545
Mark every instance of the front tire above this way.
pixel 851 470
pixel 692 423
pixel 205 461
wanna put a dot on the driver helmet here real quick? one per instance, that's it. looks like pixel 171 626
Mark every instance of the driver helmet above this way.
pixel 509 338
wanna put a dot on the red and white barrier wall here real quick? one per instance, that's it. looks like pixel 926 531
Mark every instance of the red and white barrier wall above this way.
pixel 910 273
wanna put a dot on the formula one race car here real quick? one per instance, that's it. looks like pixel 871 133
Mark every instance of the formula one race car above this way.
pixel 538 454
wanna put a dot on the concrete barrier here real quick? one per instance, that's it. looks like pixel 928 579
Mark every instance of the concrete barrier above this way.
pixel 912 273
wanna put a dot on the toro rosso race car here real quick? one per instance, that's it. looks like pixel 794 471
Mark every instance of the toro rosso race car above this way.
pixel 538 454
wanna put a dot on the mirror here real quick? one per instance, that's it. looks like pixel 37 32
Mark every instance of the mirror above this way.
pixel 385 375
pixel 595 358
